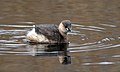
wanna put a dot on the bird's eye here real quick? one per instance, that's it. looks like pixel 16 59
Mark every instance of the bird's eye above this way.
pixel 65 26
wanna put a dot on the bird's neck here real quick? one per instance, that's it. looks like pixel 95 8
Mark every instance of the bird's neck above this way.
pixel 62 30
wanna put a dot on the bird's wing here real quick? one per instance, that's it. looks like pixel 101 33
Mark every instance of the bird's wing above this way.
pixel 50 31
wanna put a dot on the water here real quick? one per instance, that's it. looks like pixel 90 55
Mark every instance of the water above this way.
pixel 94 45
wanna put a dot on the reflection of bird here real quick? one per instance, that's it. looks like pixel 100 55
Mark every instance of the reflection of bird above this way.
pixel 50 33
pixel 59 50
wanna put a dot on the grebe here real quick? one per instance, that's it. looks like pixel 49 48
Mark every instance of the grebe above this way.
pixel 50 33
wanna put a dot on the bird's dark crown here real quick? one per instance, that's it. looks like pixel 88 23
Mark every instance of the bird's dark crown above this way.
pixel 66 23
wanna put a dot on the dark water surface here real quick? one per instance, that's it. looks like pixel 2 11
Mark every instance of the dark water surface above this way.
pixel 94 47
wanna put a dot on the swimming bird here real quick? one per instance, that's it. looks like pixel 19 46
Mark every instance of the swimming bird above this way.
pixel 50 33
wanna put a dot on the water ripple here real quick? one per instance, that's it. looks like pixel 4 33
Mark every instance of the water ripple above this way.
pixel 108 39
pixel 108 25
pixel 8 41
pixel 92 28
pixel 12 30
pixel 18 37
pixel 92 47
pixel 17 26
pixel 33 53
pixel 116 56
pixel 25 23
pixel 12 45
pixel 101 63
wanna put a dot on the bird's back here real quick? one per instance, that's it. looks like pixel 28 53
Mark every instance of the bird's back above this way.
pixel 50 31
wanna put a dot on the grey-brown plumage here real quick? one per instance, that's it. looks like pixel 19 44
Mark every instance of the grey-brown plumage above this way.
pixel 50 33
